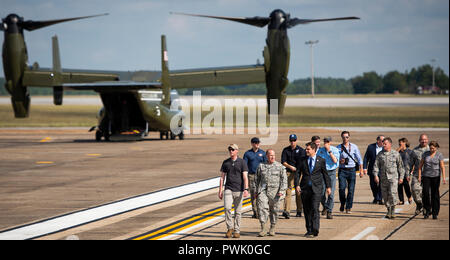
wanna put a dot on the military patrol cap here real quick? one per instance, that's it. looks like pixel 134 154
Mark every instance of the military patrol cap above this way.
pixel 293 137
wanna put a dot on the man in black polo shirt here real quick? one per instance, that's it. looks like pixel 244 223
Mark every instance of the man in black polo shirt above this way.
pixel 289 158
pixel 234 170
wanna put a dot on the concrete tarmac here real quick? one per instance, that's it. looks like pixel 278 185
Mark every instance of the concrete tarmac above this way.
pixel 290 101
pixel 49 173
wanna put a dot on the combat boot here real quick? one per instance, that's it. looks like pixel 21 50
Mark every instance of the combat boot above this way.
pixel 392 212
pixel 272 231
pixel 388 215
pixel 263 232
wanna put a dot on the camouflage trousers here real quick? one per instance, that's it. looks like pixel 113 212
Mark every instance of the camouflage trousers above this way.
pixel 389 191
pixel 252 189
pixel 416 190
pixel 268 208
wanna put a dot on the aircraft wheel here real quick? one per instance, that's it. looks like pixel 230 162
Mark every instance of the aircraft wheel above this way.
pixel 181 135
pixel 106 135
pixel 98 136
pixel 172 136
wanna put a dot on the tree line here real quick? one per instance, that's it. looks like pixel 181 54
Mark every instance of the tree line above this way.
pixel 368 83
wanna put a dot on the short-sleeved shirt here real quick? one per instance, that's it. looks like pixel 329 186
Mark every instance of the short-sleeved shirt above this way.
pixel 431 166
pixel 292 156
pixel 329 162
pixel 234 176
pixel 253 159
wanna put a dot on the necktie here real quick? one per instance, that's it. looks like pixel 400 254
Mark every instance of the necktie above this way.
pixel 310 170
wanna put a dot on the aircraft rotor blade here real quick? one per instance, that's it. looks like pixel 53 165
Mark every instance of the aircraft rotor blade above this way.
pixel 254 21
pixel 295 21
pixel 34 25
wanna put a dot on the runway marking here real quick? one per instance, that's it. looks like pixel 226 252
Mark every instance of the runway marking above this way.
pixel 46 139
pixel 45 162
pixel 363 233
pixel 183 226
pixel 78 218
pixel 94 154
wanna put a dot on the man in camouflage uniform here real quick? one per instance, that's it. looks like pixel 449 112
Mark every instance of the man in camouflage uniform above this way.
pixel 271 184
pixel 416 186
pixel 389 168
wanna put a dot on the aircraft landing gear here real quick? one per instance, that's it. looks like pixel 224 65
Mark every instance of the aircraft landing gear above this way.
pixel 166 134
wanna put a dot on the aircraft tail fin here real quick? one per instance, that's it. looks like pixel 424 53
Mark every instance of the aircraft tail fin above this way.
pixel 165 77
pixel 57 73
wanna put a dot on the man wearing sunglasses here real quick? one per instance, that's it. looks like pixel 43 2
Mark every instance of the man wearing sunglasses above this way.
pixel 253 158
pixel 234 170
pixel 350 162
pixel 290 157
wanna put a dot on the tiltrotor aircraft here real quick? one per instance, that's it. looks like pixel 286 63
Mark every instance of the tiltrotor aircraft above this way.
pixel 135 103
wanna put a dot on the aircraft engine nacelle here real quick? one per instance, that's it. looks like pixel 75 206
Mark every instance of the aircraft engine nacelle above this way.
pixel 14 63
pixel 20 99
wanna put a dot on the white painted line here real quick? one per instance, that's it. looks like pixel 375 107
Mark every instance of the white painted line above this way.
pixel 67 221
pixel 364 233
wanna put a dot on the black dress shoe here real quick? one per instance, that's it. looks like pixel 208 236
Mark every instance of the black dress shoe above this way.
pixel 309 235
pixel 329 215
pixel 341 209
pixel 286 215
pixel 299 214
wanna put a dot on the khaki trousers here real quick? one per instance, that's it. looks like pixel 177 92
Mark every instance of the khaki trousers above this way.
pixel 231 198
pixel 288 198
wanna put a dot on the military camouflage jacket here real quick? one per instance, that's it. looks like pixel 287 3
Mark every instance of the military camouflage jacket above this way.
pixel 271 178
pixel 389 165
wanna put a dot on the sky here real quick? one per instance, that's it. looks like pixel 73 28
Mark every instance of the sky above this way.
pixel 391 35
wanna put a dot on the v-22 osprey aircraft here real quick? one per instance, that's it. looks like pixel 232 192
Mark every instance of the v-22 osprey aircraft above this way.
pixel 135 103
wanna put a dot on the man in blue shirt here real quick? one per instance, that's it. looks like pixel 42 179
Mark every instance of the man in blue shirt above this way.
pixel 350 161
pixel 331 156
pixel 253 158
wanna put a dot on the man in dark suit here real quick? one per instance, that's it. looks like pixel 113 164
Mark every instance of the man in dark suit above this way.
pixel 369 161
pixel 309 181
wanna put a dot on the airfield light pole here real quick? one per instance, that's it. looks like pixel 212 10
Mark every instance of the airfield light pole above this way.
pixel 311 43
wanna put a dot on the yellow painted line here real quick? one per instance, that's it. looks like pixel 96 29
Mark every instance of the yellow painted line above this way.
pixel 44 162
pixel 175 225
pixel 181 225
pixel 93 154
pixel 46 139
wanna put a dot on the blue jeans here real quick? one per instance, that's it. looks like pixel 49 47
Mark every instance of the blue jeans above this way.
pixel 329 203
pixel 347 179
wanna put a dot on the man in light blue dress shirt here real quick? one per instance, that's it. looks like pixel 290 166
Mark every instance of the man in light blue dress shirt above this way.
pixel 331 156
pixel 349 162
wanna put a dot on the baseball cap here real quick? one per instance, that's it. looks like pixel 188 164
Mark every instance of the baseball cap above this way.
pixel 255 140
pixel 293 137
pixel 234 146
pixel 327 139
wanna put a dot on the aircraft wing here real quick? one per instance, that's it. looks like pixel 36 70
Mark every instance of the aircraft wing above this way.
pixel 223 76
pixel 123 81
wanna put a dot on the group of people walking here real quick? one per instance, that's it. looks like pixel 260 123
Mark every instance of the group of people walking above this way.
pixel 312 173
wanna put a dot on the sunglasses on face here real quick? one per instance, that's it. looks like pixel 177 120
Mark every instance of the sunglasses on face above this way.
pixel 346 137
pixel 230 149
